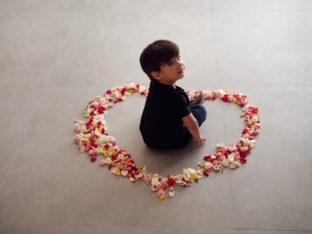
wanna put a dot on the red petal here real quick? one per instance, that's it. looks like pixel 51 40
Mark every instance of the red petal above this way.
pixel 225 98
pixel 243 160
pixel 245 131
pixel 100 110
pixel 171 181
pixel 123 91
pixel 207 158
pixel 114 157
pixel 93 159
pixel 206 173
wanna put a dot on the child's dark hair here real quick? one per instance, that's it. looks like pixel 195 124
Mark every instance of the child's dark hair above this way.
pixel 157 53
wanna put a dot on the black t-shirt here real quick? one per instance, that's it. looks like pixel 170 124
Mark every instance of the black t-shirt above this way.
pixel 161 122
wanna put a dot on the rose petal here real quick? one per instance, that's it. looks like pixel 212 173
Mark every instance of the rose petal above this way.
pixel 171 192
pixel 93 158
pixel 115 171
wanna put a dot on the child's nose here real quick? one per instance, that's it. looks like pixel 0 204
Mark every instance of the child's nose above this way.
pixel 180 62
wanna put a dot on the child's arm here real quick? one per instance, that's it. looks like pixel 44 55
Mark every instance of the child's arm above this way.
pixel 192 126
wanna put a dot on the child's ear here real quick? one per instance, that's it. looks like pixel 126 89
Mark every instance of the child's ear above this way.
pixel 156 75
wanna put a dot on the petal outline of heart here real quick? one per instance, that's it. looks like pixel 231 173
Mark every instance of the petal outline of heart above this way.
pixel 94 139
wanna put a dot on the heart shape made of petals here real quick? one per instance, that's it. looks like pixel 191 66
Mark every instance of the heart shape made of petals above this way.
pixel 94 139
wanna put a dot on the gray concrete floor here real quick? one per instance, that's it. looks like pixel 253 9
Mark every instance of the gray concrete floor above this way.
pixel 55 56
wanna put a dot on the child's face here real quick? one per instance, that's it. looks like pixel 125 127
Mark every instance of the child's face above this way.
pixel 170 72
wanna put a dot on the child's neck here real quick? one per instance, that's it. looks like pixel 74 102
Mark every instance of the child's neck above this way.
pixel 168 83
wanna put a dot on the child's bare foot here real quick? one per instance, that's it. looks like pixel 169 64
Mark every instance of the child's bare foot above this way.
pixel 195 144
pixel 199 99
pixel 200 141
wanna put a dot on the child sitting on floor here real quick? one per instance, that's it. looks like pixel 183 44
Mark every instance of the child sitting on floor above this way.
pixel 169 120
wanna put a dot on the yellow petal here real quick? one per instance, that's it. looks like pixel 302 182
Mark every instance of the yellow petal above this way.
pixel 115 171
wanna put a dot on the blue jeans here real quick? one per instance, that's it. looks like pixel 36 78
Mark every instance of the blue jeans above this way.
pixel 199 113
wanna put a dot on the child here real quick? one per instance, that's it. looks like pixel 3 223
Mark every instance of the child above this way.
pixel 169 119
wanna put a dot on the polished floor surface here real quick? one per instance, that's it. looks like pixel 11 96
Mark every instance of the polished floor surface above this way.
pixel 56 56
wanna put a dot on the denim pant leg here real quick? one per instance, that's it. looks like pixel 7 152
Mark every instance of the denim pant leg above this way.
pixel 199 113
